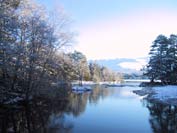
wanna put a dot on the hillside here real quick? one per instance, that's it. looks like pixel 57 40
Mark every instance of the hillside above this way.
pixel 123 65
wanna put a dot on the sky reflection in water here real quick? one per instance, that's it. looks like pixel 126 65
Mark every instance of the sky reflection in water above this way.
pixel 113 109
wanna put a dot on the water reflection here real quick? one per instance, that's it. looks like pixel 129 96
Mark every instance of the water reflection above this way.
pixel 50 114
pixel 29 117
pixel 163 118
pixel 99 92
pixel 44 115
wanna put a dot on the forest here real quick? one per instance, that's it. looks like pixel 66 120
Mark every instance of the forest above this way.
pixel 49 85
pixel 33 53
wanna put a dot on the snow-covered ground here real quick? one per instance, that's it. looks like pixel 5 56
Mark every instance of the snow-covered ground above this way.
pixel 81 88
pixel 83 82
pixel 164 94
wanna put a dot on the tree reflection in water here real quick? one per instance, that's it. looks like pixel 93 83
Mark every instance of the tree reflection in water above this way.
pixel 99 92
pixel 44 114
pixel 163 118
pixel 31 117
pixel 47 114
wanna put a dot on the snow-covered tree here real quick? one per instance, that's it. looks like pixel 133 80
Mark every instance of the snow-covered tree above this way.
pixel 162 63
pixel 29 46
pixel 80 66
pixel 101 73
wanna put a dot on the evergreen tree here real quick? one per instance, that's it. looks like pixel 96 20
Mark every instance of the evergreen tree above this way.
pixel 162 64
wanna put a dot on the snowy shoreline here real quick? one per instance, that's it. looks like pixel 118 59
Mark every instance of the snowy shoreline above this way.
pixel 162 94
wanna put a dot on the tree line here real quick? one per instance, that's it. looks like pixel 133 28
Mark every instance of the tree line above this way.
pixel 162 63
pixel 31 55
pixel 91 71
pixel 29 45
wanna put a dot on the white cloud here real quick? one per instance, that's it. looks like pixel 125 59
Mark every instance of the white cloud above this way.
pixel 125 37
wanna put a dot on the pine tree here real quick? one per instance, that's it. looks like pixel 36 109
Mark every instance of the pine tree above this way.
pixel 172 59
pixel 163 60
pixel 156 66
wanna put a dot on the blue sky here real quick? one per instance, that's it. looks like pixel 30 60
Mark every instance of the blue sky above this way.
pixel 110 29
pixel 85 11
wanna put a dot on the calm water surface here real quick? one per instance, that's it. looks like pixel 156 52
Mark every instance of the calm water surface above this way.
pixel 112 109
pixel 103 110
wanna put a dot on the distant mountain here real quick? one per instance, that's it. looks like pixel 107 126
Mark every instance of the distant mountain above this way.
pixel 123 65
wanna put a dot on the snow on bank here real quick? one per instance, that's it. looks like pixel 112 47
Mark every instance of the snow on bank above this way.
pixel 83 82
pixel 81 88
pixel 164 94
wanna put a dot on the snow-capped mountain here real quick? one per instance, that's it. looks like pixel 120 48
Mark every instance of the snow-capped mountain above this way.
pixel 123 65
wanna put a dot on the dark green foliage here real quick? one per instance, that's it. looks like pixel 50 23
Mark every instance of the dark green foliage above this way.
pixel 162 64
